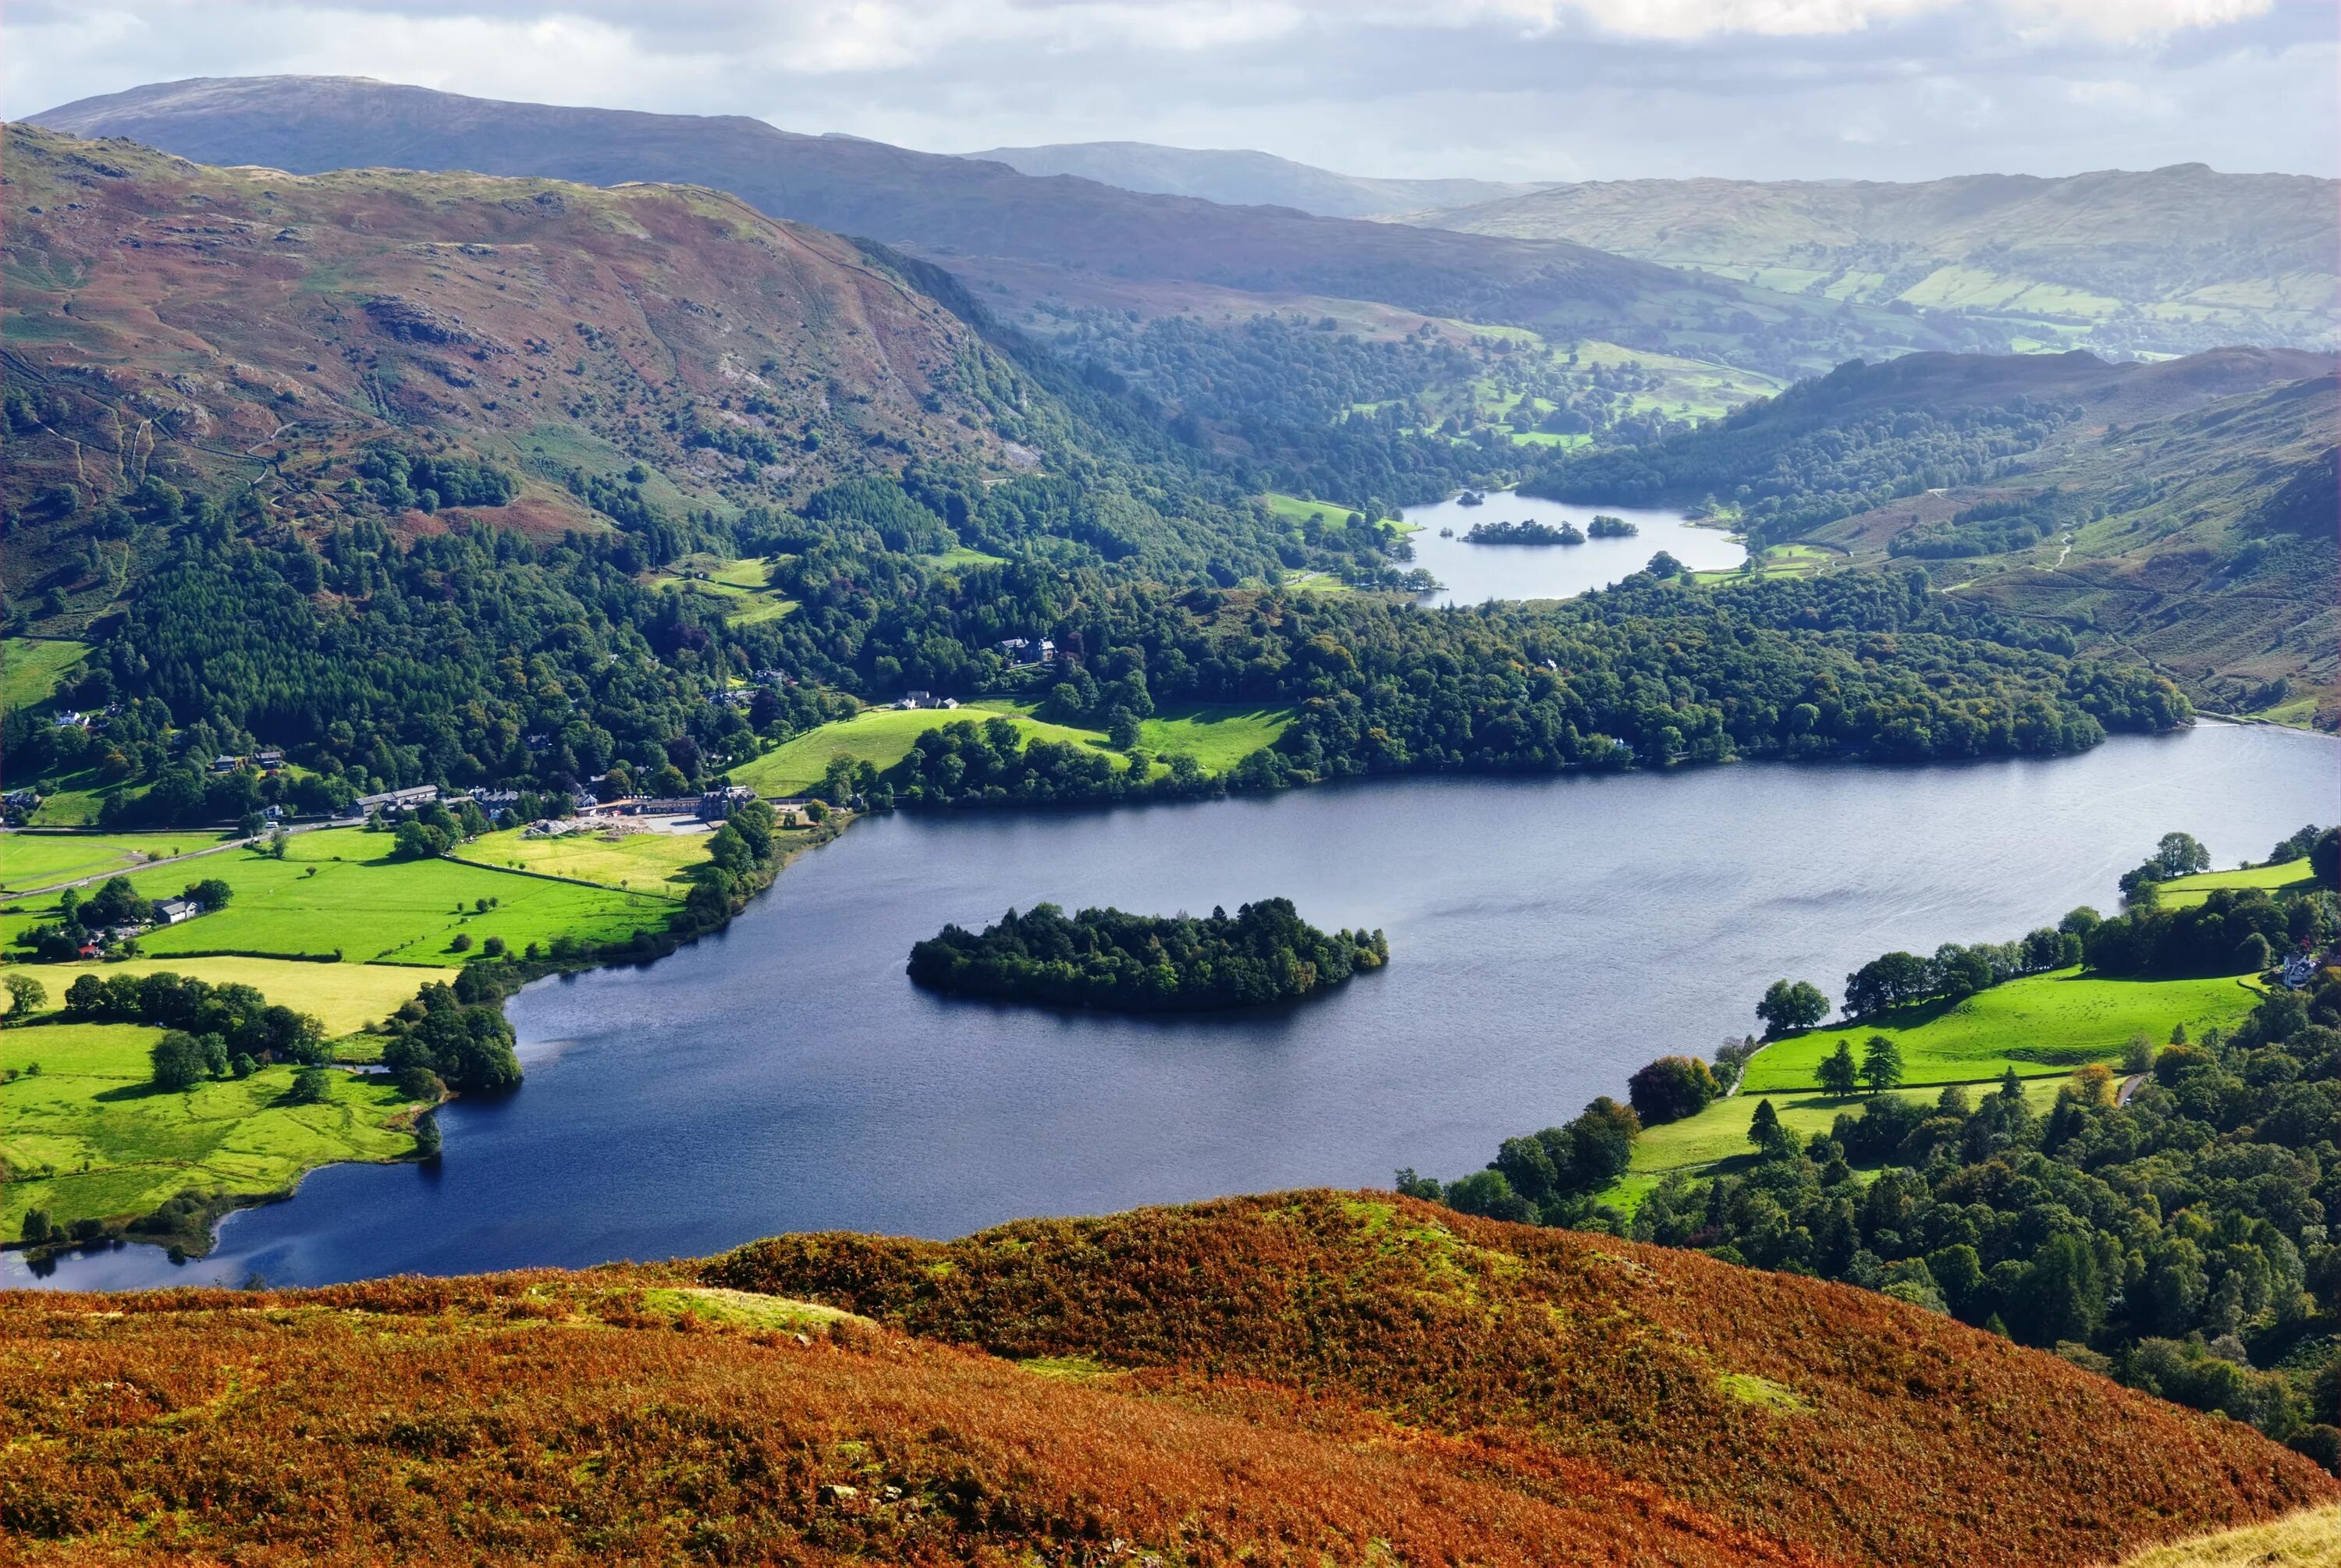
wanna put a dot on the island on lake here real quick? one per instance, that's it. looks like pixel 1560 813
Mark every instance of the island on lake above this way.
pixel 1146 963
pixel 1528 532
pixel 1604 527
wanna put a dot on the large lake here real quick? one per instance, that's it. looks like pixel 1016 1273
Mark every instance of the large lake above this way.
pixel 1547 936
pixel 1474 574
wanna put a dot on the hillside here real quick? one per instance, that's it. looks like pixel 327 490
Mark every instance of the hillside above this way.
pixel 2169 260
pixel 184 322
pixel 989 221
pixel 1242 178
pixel 1307 1378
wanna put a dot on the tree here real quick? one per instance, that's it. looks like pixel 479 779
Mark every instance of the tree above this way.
pixel 2180 855
pixel 37 1228
pixel 311 1087
pixel 27 996
pixel 212 893
pixel 179 1061
pixel 1772 1140
pixel 420 841
pixel 1791 1005
pixel 1881 1063
pixel 1840 1075
pixel 1490 1194
pixel 1671 1088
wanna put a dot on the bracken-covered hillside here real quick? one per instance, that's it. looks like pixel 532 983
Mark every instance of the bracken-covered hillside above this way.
pixel 1312 1377
pixel 198 323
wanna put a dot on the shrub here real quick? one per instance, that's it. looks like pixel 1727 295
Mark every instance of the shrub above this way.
pixel 1671 1088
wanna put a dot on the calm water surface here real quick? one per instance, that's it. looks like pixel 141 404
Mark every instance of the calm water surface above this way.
pixel 1547 936
pixel 1474 574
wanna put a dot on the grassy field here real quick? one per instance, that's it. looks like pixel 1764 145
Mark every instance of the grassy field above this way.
pixel 43 860
pixel 2291 877
pixel 31 667
pixel 2042 1024
pixel 346 997
pixel 882 737
pixel 89 1137
pixel 2307 1540
pixel 1297 508
pixel 79 798
pixel 1217 735
pixel 338 891
pixel 738 582
pixel 1717 1138
pixel 650 862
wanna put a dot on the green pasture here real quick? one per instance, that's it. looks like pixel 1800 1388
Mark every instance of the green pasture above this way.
pixel 30 668
pixel 2289 877
pixel 1294 509
pixel 1715 1140
pixel 736 583
pixel 2039 1025
pixel 89 1136
pixel 80 798
pixel 882 737
pixel 337 890
pixel 42 860
pixel 1218 736
pixel 652 862
pixel 960 556
pixel 345 997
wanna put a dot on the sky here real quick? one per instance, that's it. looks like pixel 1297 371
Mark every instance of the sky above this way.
pixel 1499 89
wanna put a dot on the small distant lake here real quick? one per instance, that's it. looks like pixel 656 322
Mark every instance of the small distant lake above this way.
pixel 1475 573
pixel 1547 934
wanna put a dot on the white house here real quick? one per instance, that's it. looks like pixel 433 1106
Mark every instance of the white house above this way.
pixel 171 912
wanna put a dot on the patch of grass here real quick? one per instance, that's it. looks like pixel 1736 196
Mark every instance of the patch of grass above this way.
pixel 89 1137
pixel 44 860
pixel 2290 877
pixel 30 668
pixel 1298 509
pixel 960 556
pixel 2041 1024
pixel 1218 736
pixel 1068 1368
pixel 79 798
pixel 367 906
pixel 1749 1389
pixel 744 1308
pixel 647 861
pixel 2311 1539
pixel 882 737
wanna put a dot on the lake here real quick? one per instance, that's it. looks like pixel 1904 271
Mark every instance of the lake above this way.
pixel 1547 936
pixel 1475 573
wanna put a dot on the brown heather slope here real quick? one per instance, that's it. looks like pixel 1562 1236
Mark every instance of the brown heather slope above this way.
pixel 195 323
pixel 1306 1378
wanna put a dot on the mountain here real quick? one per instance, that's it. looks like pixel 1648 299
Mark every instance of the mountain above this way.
pixel 1311 1376
pixel 1240 178
pixel 2168 260
pixel 1022 236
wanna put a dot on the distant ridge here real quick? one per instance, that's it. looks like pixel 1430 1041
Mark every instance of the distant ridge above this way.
pixel 941 205
pixel 1242 178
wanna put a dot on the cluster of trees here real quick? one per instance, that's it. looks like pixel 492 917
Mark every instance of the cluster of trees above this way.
pixel 1547 1177
pixel 1820 451
pixel 2179 1241
pixel 398 479
pixel 1955 972
pixel 115 903
pixel 1528 533
pixel 1607 527
pixel 432 830
pixel 213 1031
pixel 456 1033
pixel 2233 931
pixel 1988 528
pixel 1139 963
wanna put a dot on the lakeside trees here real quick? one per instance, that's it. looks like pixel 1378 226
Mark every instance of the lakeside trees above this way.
pixel 1790 1005
pixel 1136 963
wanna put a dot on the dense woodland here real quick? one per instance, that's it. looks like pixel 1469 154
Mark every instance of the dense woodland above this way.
pixel 1139 963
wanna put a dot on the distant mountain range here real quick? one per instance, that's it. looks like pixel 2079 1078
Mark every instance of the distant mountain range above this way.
pixel 2166 261
pixel 1017 236
pixel 2175 258
pixel 1240 177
